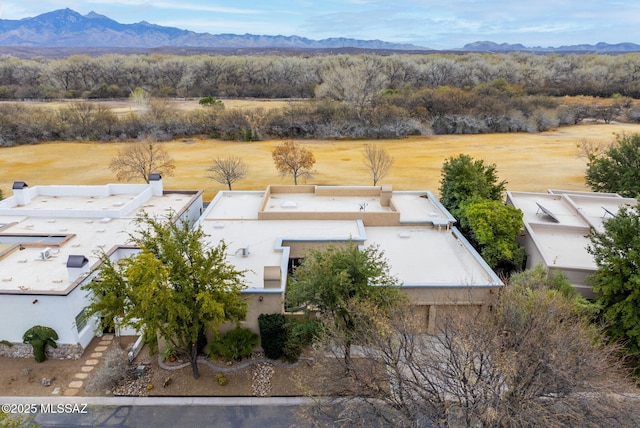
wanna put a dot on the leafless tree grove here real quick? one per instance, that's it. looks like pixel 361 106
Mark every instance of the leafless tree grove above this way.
pixel 530 361
pixel 354 96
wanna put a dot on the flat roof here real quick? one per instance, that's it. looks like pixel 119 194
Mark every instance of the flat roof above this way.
pixel 563 247
pixel 428 256
pixel 530 205
pixel 421 247
pixel 71 223
pixel 564 243
pixel 263 240
pixel 309 202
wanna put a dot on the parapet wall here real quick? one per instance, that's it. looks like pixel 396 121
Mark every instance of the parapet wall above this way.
pixel 369 218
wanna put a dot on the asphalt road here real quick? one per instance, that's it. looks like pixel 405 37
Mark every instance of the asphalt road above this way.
pixel 160 412
pixel 174 417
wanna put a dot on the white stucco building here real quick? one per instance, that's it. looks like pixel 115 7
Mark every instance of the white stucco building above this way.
pixel 557 225
pixel 50 241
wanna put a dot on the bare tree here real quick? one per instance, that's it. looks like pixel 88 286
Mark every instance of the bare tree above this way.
pixel 531 361
pixel 227 170
pixel 292 158
pixel 139 159
pixel 591 150
pixel 378 161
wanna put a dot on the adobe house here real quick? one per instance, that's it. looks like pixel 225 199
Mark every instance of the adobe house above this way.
pixel 269 231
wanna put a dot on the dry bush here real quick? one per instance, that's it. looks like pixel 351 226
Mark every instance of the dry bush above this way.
pixel 112 371
pixel 531 361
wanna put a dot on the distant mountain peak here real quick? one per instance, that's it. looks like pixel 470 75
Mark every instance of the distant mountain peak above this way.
pixel 95 30
pixel 600 47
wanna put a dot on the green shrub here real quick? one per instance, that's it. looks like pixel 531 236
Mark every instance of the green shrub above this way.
pixel 300 333
pixel 235 344
pixel 222 381
pixel 39 337
pixel 273 335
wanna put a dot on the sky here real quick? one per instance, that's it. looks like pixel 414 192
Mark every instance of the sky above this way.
pixel 436 24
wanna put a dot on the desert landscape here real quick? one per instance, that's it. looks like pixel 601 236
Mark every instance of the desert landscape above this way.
pixel 529 162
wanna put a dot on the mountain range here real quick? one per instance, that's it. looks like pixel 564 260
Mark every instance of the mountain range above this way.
pixel 68 29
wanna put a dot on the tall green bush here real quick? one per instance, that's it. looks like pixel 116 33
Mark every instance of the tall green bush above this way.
pixel 273 335
pixel 301 333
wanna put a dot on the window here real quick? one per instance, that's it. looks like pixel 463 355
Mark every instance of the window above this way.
pixel 81 321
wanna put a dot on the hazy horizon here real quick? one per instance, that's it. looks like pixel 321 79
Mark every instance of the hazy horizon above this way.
pixel 426 23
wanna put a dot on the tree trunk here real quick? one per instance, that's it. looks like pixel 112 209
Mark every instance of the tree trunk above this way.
pixel 194 360
pixel 347 357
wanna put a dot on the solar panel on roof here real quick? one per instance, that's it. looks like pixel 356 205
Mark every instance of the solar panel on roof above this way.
pixel 548 213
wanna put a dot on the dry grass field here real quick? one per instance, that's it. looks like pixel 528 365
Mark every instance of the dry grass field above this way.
pixel 531 162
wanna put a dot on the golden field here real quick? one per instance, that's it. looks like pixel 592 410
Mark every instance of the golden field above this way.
pixel 529 162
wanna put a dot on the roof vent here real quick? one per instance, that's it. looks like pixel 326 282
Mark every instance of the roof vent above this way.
pixel 45 254
pixel 75 261
pixel 289 204
pixel 244 251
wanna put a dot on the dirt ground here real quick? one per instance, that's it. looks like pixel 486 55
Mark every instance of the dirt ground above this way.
pixel 22 377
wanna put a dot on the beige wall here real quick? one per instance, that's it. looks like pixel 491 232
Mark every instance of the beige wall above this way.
pixel 368 218
pixel 430 306
pixel 271 303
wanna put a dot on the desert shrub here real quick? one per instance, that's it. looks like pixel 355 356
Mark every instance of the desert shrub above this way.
pixel 301 333
pixel 273 335
pixel 39 337
pixel 459 124
pixel 222 381
pixel 107 376
pixel 234 345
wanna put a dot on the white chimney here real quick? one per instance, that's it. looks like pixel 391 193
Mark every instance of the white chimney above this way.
pixel 21 193
pixel 77 265
pixel 155 180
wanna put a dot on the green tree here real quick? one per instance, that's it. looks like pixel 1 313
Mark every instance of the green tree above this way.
pixel 616 169
pixel 616 251
pixel 336 280
pixel 16 421
pixel 463 177
pixel 493 228
pixel 175 288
